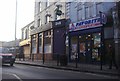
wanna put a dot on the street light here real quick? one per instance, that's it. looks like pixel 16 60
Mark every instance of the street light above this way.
pixel 103 21
pixel 15 26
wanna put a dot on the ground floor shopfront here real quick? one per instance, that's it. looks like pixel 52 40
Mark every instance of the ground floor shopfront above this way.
pixel 48 41
pixel 24 50
pixel 90 45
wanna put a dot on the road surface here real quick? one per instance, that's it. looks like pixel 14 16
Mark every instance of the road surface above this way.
pixel 22 72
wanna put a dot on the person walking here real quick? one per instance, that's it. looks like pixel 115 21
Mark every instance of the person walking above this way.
pixel 111 57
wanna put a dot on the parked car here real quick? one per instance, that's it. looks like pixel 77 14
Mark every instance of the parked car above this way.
pixel 7 58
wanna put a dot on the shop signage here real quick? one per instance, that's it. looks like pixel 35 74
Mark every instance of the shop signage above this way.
pixel 90 23
pixel 58 23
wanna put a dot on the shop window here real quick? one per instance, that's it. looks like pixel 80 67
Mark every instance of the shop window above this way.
pixel 96 46
pixel 82 48
pixel 82 38
pixel 73 47
pixel 34 44
pixel 47 48
pixel 88 37
pixel 40 43
pixel 47 42
pixel 97 38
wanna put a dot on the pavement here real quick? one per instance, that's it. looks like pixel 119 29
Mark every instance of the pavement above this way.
pixel 89 68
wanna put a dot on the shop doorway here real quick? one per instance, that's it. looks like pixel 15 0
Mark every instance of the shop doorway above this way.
pixel 89 45
pixel 82 54
pixel 85 48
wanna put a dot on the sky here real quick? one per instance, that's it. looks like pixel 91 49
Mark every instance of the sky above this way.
pixel 25 15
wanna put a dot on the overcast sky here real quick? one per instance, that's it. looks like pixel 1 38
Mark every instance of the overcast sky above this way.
pixel 25 15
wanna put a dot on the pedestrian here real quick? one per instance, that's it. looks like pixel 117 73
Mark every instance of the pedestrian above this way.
pixel 111 57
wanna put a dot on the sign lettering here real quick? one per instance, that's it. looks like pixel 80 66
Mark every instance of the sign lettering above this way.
pixel 90 23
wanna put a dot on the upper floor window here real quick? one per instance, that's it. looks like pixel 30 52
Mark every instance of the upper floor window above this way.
pixel 91 11
pixel 79 11
pixel 26 34
pixel 67 10
pixel 86 12
pixel 98 8
pixel 47 19
pixel 22 34
pixel 47 3
pixel 39 23
pixel 79 14
pixel 39 7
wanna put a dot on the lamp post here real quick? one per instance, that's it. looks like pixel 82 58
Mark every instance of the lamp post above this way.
pixel 103 22
pixel 15 26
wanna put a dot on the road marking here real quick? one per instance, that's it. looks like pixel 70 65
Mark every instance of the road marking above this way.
pixel 14 76
pixel 107 76
pixel 17 77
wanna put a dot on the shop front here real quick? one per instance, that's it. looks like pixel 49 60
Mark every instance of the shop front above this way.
pixel 47 41
pixel 25 49
pixel 85 40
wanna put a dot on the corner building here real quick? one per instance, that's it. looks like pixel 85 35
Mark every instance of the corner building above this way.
pixel 47 38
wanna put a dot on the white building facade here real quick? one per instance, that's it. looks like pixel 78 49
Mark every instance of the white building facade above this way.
pixel 45 11
pixel 49 22
pixel 90 31
pixel 25 41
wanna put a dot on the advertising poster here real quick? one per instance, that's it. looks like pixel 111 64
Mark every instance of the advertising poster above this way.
pixel 82 47
pixel 74 51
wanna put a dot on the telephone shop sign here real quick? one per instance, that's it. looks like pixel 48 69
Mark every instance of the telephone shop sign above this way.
pixel 86 24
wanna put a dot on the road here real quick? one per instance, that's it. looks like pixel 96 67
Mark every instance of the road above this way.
pixel 21 72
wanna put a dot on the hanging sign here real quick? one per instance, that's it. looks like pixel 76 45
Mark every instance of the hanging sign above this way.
pixel 90 23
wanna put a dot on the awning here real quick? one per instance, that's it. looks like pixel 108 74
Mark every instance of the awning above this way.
pixel 24 42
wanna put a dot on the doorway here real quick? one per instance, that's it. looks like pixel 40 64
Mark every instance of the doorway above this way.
pixel 89 45
pixel 85 48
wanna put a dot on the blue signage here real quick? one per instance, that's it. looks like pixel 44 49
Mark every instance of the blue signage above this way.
pixel 90 23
